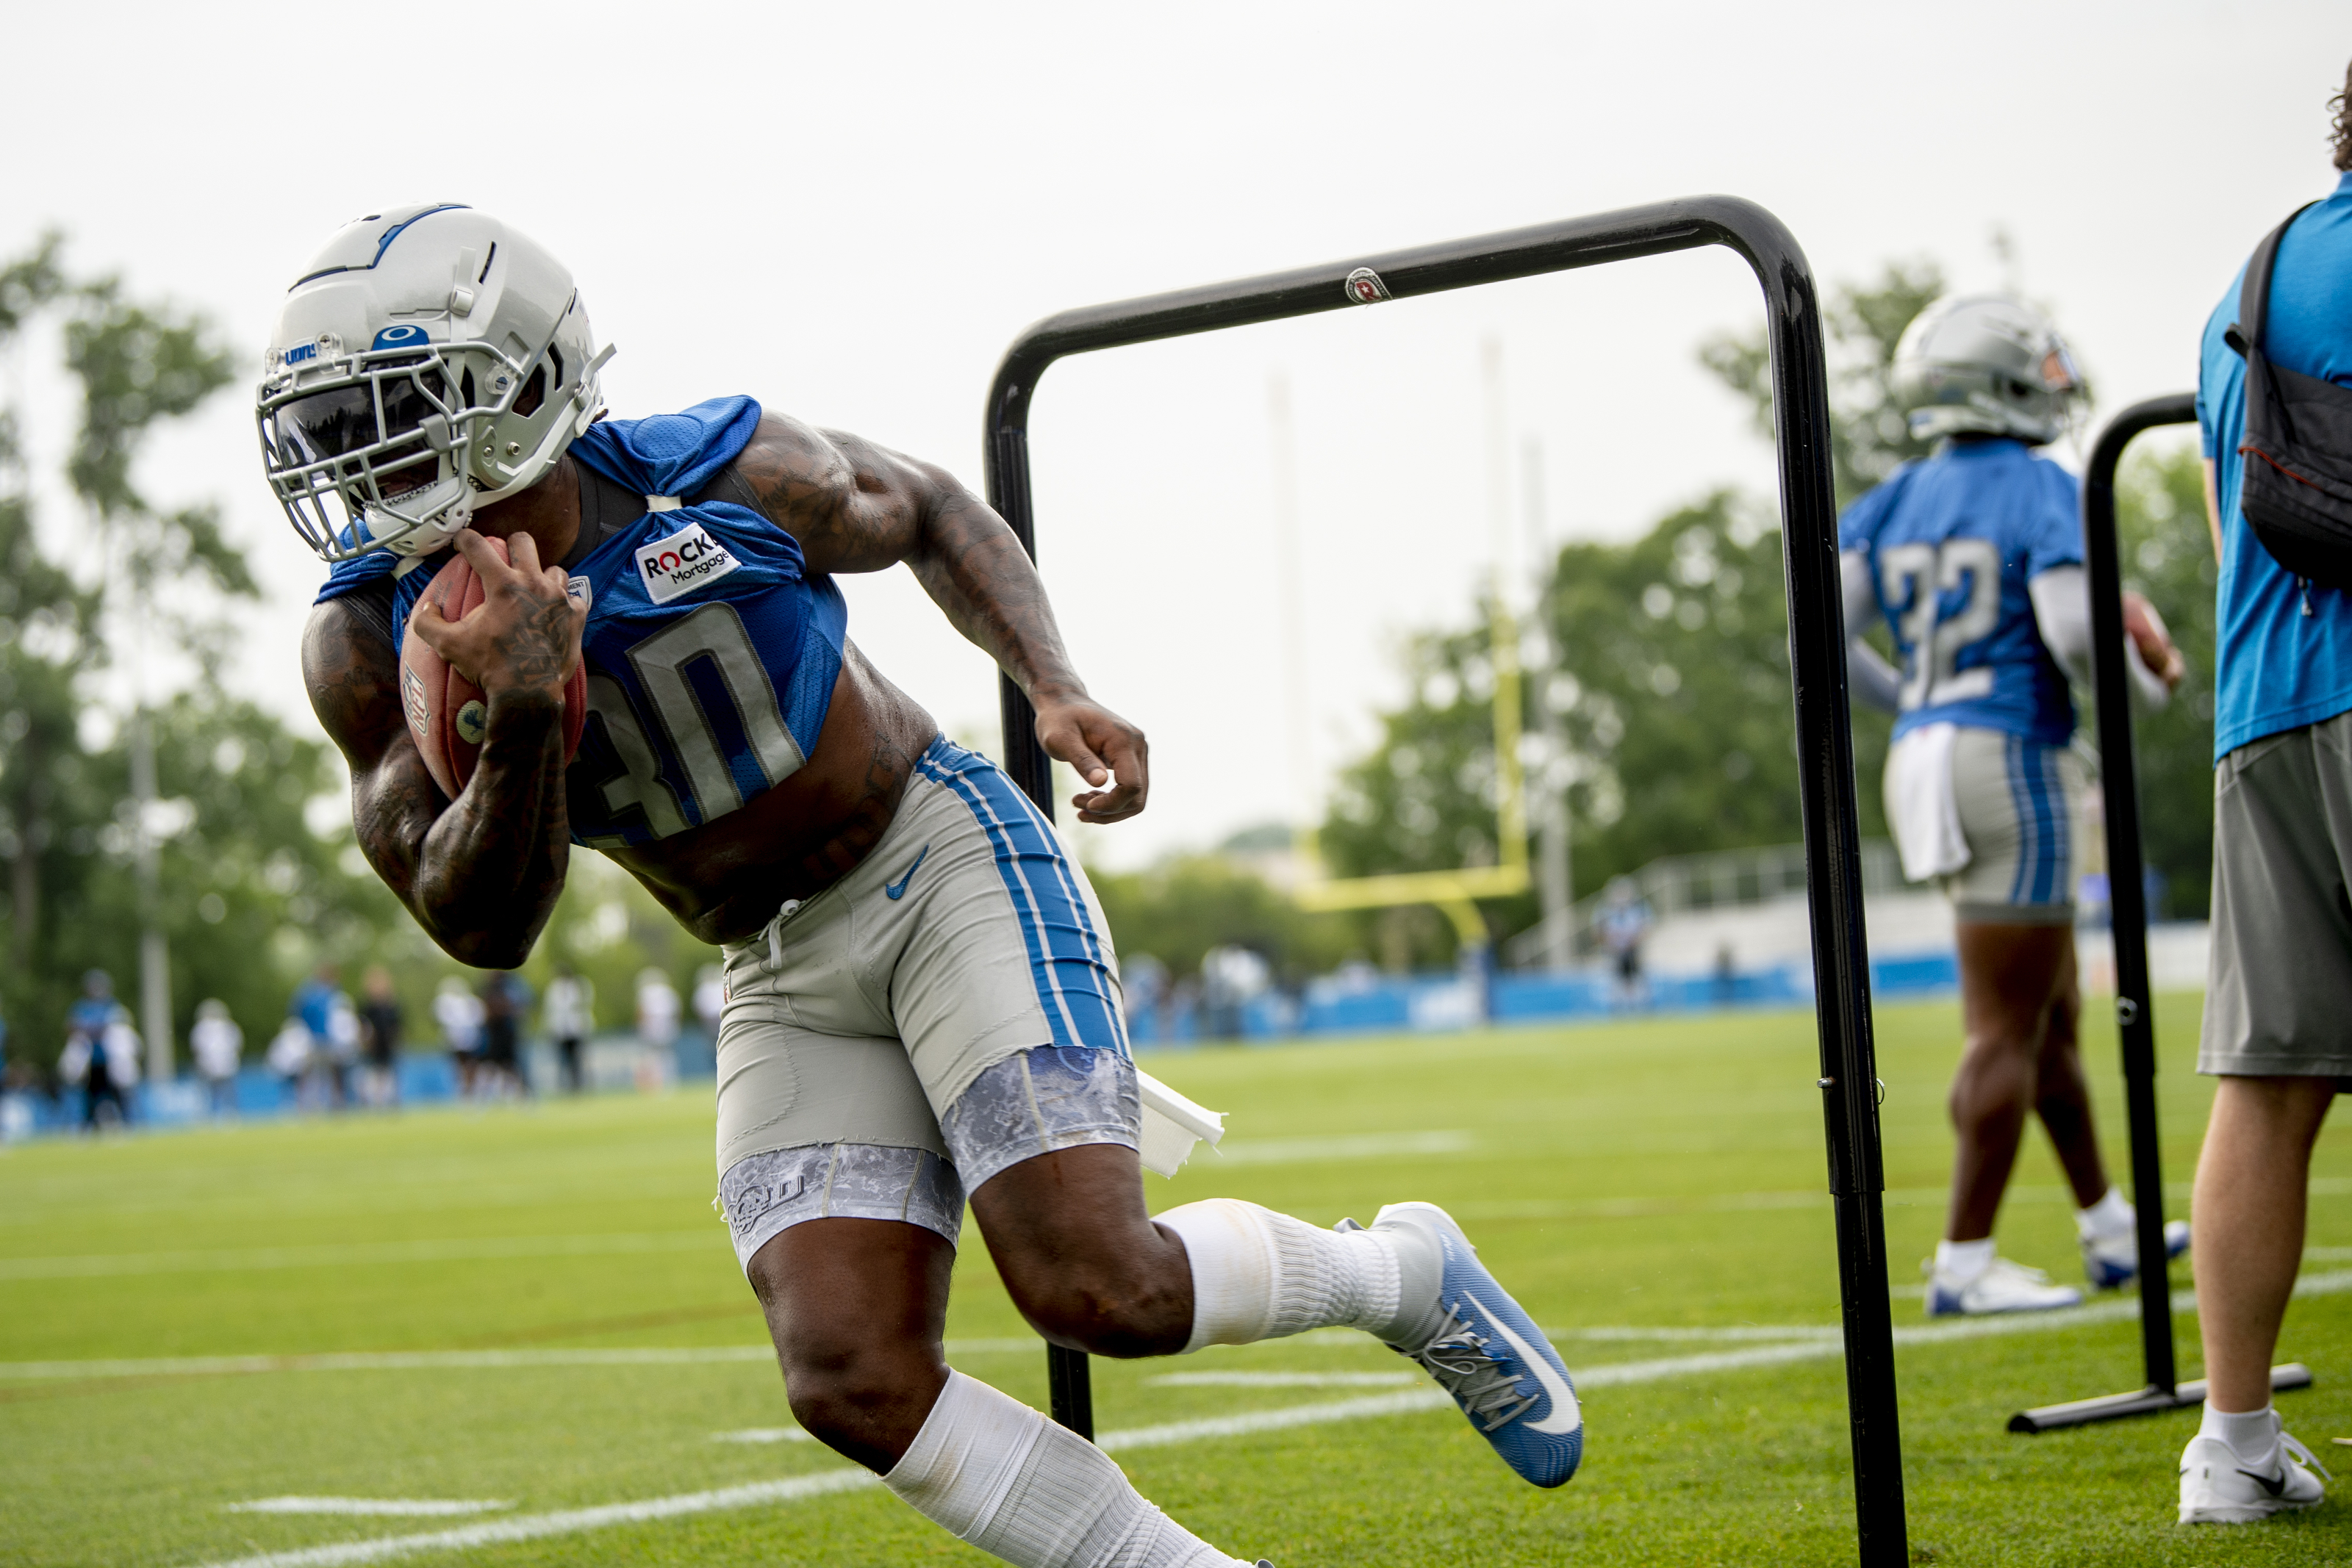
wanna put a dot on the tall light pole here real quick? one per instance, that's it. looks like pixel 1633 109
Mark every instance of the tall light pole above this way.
pixel 155 955
pixel 1554 887
pixel 1291 566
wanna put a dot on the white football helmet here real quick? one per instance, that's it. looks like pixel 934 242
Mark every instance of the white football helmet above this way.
pixel 429 361
pixel 1985 364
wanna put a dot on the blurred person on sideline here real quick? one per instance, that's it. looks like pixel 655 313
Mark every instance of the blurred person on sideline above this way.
pixel 505 1000
pixel 710 1000
pixel 1624 921
pixel 2278 1000
pixel 380 1022
pixel 658 1018
pixel 1972 558
pixel 457 1013
pixel 94 1059
pixel 568 1012
pixel 1232 976
pixel 217 1045
pixel 321 1007
pixel 288 1056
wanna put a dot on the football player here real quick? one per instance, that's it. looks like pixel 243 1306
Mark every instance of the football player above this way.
pixel 922 1000
pixel 1974 558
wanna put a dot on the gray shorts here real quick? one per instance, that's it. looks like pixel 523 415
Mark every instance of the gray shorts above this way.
pixel 950 1007
pixel 2278 999
pixel 2017 802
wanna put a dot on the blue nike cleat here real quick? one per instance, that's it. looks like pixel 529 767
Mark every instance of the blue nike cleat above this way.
pixel 1483 1348
pixel 2112 1263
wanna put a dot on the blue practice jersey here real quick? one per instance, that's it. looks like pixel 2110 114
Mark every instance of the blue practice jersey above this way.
pixel 2283 647
pixel 1952 541
pixel 712 653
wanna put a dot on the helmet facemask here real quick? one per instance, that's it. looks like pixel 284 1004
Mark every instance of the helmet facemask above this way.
pixel 409 436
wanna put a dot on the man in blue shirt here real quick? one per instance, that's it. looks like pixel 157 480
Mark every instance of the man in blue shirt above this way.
pixel 2280 989
pixel 1974 558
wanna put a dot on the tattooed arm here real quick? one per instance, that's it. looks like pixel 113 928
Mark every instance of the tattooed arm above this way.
pixel 480 873
pixel 857 507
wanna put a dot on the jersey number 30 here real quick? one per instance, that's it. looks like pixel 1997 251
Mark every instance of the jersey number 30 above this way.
pixel 1914 579
pixel 718 724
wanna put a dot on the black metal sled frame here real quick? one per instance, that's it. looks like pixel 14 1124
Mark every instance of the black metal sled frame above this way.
pixel 1848 1074
pixel 2127 905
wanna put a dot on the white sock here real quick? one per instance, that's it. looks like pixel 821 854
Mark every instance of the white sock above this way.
pixel 1260 1275
pixel 1961 1261
pixel 1003 1478
pixel 2112 1217
pixel 2251 1436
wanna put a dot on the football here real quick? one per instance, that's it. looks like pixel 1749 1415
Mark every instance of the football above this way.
pixel 446 712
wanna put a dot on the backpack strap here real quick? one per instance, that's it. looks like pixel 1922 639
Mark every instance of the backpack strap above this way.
pixel 2254 294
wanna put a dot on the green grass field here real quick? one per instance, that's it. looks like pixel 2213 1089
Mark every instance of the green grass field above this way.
pixel 536 1307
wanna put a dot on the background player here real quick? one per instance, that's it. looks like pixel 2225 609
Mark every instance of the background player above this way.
pixel 1974 559
pixel 923 998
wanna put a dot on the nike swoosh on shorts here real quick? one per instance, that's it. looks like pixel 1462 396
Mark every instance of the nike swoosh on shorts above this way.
pixel 899 888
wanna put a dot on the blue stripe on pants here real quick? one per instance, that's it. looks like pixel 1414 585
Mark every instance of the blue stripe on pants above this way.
pixel 2022 806
pixel 1068 961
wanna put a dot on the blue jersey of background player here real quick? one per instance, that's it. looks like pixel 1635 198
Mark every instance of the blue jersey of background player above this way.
pixel 1973 558
pixel 1953 544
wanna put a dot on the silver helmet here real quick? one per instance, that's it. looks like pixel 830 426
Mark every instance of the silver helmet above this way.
pixel 1986 364
pixel 429 361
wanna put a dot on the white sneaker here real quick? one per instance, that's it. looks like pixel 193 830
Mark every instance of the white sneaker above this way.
pixel 2219 1488
pixel 2004 1287
pixel 2111 1262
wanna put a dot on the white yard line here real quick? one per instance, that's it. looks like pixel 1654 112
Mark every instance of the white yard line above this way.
pixel 439 1359
pixel 1340 1146
pixel 569 1522
pixel 108 1264
pixel 1730 1331
pixel 565 1521
pixel 406 1507
pixel 764 1435
pixel 1742 1202
pixel 1282 1380
pixel 1257 1151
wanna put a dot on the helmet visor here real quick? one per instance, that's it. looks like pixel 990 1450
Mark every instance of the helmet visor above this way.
pixel 346 418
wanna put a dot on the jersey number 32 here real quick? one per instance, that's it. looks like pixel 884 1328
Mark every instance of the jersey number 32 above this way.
pixel 1916 581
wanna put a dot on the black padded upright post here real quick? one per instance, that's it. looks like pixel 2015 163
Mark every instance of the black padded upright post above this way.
pixel 1068 1382
pixel 2127 923
pixel 1847 1076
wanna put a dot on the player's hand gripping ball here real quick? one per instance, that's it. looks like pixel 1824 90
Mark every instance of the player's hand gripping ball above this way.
pixel 447 714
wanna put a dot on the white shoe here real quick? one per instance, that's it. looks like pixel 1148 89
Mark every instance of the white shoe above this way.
pixel 2219 1488
pixel 2004 1287
pixel 2112 1261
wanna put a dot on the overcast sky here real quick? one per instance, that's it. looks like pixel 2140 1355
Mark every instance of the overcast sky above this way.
pixel 848 211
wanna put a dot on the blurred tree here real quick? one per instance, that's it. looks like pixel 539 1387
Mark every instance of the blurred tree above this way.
pixel 1673 690
pixel 1868 435
pixel 138 365
pixel 1672 676
pixel 246 894
pixel 2167 555
pixel 1180 909
pixel 44 620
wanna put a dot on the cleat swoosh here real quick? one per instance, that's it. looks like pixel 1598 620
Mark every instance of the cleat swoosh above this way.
pixel 1566 1416
pixel 2275 1486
